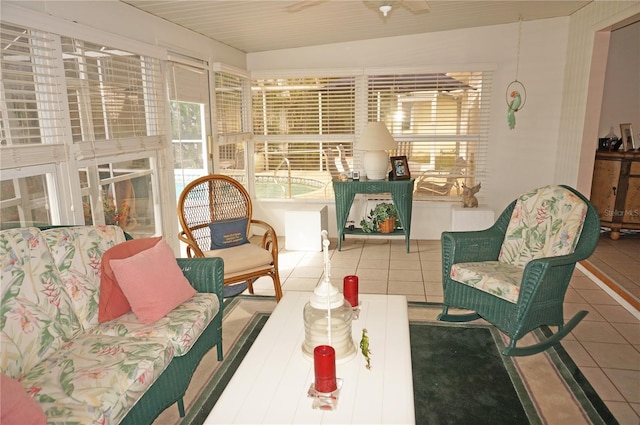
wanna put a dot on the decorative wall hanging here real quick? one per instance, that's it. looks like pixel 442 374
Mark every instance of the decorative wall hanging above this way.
pixel 516 94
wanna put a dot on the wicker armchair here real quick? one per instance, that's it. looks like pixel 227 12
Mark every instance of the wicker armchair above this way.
pixel 214 199
pixel 516 273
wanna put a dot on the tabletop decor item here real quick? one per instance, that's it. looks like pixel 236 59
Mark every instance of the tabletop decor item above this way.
pixel 328 316
pixel 364 348
pixel 350 290
pixel 326 387
pixel 399 168
pixel 469 199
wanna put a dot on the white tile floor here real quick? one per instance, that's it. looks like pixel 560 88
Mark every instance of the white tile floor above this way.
pixel 605 345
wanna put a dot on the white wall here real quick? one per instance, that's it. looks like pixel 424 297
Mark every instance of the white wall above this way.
pixel 519 159
pixel 621 98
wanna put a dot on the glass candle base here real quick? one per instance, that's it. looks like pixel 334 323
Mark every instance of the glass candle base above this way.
pixel 325 401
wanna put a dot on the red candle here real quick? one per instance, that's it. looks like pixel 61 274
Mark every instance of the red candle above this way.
pixel 351 289
pixel 324 365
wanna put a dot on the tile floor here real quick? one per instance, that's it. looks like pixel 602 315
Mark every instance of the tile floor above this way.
pixel 605 345
pixel 620 261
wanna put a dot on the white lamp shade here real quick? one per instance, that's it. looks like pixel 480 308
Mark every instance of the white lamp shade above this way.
pixel 376 137
pixel 376 140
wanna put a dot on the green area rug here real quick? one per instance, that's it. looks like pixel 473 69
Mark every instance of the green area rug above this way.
pixel 459 375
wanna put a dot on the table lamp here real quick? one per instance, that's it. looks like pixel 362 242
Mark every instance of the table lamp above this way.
pixel 375 141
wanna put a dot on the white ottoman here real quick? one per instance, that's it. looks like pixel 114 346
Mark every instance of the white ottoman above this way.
pixel 303 227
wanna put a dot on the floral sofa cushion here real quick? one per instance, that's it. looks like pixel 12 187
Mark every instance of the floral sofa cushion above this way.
pixel 37 315
pixel 77 252
pixel 494 277
pixel 181 326
pixel 546 222
pixel 96 379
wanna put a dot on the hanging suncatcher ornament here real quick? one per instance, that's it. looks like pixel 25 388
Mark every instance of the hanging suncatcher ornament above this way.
pixel 516 94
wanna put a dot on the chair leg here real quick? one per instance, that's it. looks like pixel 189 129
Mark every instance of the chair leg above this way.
pixel 181 407
pixel 512 350
pixel 277 287
pixel 250 285
pixel 446 317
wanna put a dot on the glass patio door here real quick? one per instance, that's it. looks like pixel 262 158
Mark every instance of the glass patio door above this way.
pixel 190 123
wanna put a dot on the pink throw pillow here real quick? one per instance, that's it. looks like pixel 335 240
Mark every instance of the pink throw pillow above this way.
pixel 152 282
pixel 112 302
pixel 17 407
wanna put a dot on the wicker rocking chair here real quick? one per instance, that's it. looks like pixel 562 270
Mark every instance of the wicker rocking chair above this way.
pixel 516 273
pixel 215 216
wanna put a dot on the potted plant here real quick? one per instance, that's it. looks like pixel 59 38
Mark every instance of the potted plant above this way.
pixel 381 219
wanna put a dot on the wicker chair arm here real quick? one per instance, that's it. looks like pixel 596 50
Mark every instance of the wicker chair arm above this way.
pixel 193 250
pixel 482 245
pixel 269 238
pixel 204 274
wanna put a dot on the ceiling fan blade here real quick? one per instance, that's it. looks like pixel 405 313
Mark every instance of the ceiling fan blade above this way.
pixel 298 6
pixel 417 5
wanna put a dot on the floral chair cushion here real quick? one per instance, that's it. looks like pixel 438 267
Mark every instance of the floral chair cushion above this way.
pixel 546 222
pixel 181 326
pixel 494 277
pixel 96 379
pixel 37 315
pixel 77 252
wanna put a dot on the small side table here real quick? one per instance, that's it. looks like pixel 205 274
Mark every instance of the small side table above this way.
pixel 401 194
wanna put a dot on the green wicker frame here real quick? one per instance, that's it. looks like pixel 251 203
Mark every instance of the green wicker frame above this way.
pixel 544 283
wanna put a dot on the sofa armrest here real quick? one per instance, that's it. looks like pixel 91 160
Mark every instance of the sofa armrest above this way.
pixel 204 274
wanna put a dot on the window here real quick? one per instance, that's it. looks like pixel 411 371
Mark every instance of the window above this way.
pixel 32 129
pixel 440 121
pixel 68 109
pixel 115 99
pixel 190 116
pixel 30 97
pixel 232 124
pixel 112 94
pixel 125 196
pixel 25 201
pixel 304 128
pixel 303 134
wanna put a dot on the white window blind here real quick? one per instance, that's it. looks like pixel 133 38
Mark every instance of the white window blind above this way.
pixel 232 120
pixel 114 95
pixel 440 121
pixel 31 95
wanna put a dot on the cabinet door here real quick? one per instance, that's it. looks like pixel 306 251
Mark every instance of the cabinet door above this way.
pixel 604 187
pixel 632 202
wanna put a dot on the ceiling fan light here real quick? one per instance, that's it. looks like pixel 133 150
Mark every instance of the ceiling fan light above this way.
pixel 385 8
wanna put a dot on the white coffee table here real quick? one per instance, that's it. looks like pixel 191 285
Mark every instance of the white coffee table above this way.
pixel 271 384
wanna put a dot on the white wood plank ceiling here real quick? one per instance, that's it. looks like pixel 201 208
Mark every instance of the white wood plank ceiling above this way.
pixel 262 25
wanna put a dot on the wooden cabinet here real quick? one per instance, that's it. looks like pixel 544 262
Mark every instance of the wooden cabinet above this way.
pixel 615 190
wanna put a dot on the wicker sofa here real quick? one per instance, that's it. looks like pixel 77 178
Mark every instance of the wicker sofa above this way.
pixel 77 369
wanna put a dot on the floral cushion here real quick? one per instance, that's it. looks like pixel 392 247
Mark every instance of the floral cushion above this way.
pixel 97 378
pixel 181 326
pixel 494 277
pixel 77 252
pixel 546 222
pixel 36 312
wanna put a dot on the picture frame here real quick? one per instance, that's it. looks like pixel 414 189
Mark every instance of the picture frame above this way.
pixel 399 168
pixel 626 135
